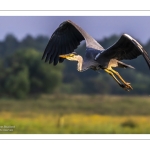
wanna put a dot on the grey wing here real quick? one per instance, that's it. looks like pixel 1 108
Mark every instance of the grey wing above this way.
pixel 125 48
pixel 90 41
pixel 65 40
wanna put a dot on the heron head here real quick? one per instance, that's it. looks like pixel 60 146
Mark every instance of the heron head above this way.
pixel 72 56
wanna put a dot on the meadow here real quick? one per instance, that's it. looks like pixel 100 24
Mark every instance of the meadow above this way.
pixel 95 114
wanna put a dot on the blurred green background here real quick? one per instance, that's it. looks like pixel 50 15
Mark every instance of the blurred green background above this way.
pixel 37 97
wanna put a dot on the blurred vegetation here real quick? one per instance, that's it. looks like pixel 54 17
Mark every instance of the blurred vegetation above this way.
pixel 59 99
pixel 23 73
pixel 76 114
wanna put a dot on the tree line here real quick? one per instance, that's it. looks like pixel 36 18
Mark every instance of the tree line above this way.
pixel 23 73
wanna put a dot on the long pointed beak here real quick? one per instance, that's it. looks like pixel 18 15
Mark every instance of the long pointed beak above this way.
pixel 63 56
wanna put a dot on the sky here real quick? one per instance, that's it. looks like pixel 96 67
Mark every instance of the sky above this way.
pixel 98 27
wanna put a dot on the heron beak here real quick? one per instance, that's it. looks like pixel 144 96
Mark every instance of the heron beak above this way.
pixel 66 55
pixel 63 56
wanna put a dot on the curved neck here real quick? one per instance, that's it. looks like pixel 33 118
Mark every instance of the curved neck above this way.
pixel 80 63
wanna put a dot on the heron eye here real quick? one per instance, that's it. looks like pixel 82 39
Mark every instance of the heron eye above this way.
pixel 71 55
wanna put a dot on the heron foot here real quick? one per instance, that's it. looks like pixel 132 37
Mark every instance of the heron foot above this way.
pixel 126 86
pixel 129 85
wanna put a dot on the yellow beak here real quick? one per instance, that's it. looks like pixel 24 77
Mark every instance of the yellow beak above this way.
pixel 63 56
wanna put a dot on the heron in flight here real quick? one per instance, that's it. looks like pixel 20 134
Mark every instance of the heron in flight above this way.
pixel 68 36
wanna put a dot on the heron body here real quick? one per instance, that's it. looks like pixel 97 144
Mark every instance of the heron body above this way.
pixel 89 62
pixel 68 36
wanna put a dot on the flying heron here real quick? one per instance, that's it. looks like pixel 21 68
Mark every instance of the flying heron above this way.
pixel 68 36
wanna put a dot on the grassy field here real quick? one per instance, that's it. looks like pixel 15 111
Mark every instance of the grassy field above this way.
pixel 75 114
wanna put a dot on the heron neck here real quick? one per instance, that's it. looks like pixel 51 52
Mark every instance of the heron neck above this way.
pixel 80 63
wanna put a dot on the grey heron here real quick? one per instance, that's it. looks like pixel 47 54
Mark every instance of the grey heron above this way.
pixel 67 37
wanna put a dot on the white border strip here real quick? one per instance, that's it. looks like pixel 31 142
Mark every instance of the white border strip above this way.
pixel 73 13
pixel 77 4
pixel 75 137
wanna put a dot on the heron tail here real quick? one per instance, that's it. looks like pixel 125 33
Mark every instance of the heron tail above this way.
pixel 123 65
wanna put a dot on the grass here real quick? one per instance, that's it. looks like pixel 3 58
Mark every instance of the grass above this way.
pixel 76 114
pixel 75 123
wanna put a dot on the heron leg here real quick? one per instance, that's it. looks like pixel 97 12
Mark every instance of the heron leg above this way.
pixel 122 85
pixel 126 83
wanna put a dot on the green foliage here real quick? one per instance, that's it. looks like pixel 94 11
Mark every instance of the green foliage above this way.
pixel 17 83
pixel 28 52
pixel 24 73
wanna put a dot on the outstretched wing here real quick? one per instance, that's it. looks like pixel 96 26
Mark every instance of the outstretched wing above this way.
pixel 125 48
pixel 65 40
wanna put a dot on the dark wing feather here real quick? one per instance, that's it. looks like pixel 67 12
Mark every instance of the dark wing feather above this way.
pixel 65 40
pixel 125 48
pixel 62 41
